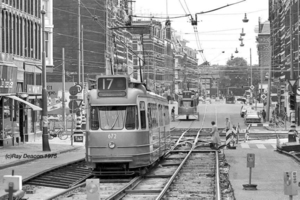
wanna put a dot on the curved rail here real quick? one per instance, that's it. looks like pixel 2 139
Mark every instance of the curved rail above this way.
pixel 166 188
pixel 218 188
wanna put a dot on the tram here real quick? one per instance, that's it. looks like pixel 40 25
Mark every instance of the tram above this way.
pixel 128 127
pixel 187 104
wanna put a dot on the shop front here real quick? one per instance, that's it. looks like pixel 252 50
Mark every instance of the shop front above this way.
pixel 13 106
pixel 33 128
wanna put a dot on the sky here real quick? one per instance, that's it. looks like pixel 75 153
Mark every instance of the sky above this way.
pixel 218 31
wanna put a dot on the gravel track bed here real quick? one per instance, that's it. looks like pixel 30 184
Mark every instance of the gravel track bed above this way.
pixel 196 180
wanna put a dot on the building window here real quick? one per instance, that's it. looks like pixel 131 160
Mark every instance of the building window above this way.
pixel 3 33
pixel 46 43
pixel 46 7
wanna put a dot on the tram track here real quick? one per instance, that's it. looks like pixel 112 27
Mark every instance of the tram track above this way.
pixel 181 158
pixel 186 158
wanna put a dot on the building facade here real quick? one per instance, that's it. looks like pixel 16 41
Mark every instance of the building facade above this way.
pixel 20 64
pixel 106 45
pixel 284 17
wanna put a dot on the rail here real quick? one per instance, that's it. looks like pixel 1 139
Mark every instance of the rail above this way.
pixel 218 189
pixel 166 188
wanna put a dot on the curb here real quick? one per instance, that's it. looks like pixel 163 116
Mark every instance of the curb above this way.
pixel 288 154
pixel 16 163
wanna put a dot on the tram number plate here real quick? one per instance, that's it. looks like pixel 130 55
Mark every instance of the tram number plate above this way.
pixel 112 136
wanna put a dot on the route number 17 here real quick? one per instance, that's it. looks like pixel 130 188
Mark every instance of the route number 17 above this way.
pixel 109 82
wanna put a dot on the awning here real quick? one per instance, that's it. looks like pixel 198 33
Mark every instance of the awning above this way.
pixel 34 107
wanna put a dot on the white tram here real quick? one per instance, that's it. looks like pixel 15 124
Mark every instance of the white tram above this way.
pixel 128 127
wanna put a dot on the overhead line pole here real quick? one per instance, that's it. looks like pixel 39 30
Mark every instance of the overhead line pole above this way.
pixel 45 136
pixel 79 38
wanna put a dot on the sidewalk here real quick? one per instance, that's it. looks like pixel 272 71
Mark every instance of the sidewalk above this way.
pixel 267 173
pixel 16 155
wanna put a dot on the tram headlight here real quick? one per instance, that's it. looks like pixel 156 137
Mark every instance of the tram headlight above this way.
pixel 111 145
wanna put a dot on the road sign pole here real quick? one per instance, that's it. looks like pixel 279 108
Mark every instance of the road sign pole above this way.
pixel 72 132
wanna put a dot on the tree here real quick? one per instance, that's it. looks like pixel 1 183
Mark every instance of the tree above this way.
pixel 237 62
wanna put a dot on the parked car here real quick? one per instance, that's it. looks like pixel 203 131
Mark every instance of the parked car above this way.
pixel 252 117
pixel 241 100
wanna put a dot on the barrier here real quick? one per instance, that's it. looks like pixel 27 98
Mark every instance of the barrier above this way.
pixel 230 138
pixel 259 124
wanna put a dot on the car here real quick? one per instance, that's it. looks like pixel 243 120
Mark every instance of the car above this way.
pixel 241 100
pixel 252 117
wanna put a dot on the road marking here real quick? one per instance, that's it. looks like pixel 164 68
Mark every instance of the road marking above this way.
pixel 245 146
pixel 261 146
pixel 274 146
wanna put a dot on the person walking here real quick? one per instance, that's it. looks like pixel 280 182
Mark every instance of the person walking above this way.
pixel 227 124
pixel 215 137
pixel 173 114
pixel 263 113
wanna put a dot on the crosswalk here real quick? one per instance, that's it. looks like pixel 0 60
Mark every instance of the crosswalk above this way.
pixel 256 146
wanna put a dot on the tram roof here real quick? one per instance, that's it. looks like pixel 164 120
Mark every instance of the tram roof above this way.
pixel 130 99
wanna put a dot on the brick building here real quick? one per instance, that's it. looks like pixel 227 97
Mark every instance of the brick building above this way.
pixel 104 50
pixel 284 16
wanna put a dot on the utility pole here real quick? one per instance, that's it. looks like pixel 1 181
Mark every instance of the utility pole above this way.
pixel 46 146
pixel 251 75
pixel 294 91
pixel 269 95
pixel 82 62
pixel 64 90
pixel 79 53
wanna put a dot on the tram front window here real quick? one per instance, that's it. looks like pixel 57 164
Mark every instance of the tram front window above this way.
pixel 115 117
pixel 186 103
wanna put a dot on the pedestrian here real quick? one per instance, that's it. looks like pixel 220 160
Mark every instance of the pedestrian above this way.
pixel 263 113
pixel 173 114
pixel 215 137
pixel 227 124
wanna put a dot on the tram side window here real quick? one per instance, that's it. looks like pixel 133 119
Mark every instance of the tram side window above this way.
pixel 149 116
pixel 143 115
pixel 132 118
pixel 167 119
pixel 152 115
pixel 94 118
pixel 161 117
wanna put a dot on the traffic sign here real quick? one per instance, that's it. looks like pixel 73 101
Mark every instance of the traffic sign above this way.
pixel 79 87
pixel 73 105
pixel 252 87
pixel 263 97
pixel 73 90
pixel 298 91
pixel 251 160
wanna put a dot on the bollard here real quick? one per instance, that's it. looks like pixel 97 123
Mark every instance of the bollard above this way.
pixel 13 186
pixel 290 184
pixel 93 189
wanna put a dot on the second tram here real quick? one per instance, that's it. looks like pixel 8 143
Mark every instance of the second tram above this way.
pixel 187 104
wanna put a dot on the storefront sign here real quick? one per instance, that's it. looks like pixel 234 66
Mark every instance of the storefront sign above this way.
pixel 34 89
pixel 6 83
pixel 8 79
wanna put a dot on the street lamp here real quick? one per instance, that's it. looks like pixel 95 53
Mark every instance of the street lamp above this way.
pixel 245 20
pixel 46 146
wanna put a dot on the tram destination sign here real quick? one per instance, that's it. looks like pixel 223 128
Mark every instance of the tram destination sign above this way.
pixel 112 86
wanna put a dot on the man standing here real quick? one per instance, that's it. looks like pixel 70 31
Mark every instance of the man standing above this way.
pixel 173 114
pixel 215 137
pixel 263 113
